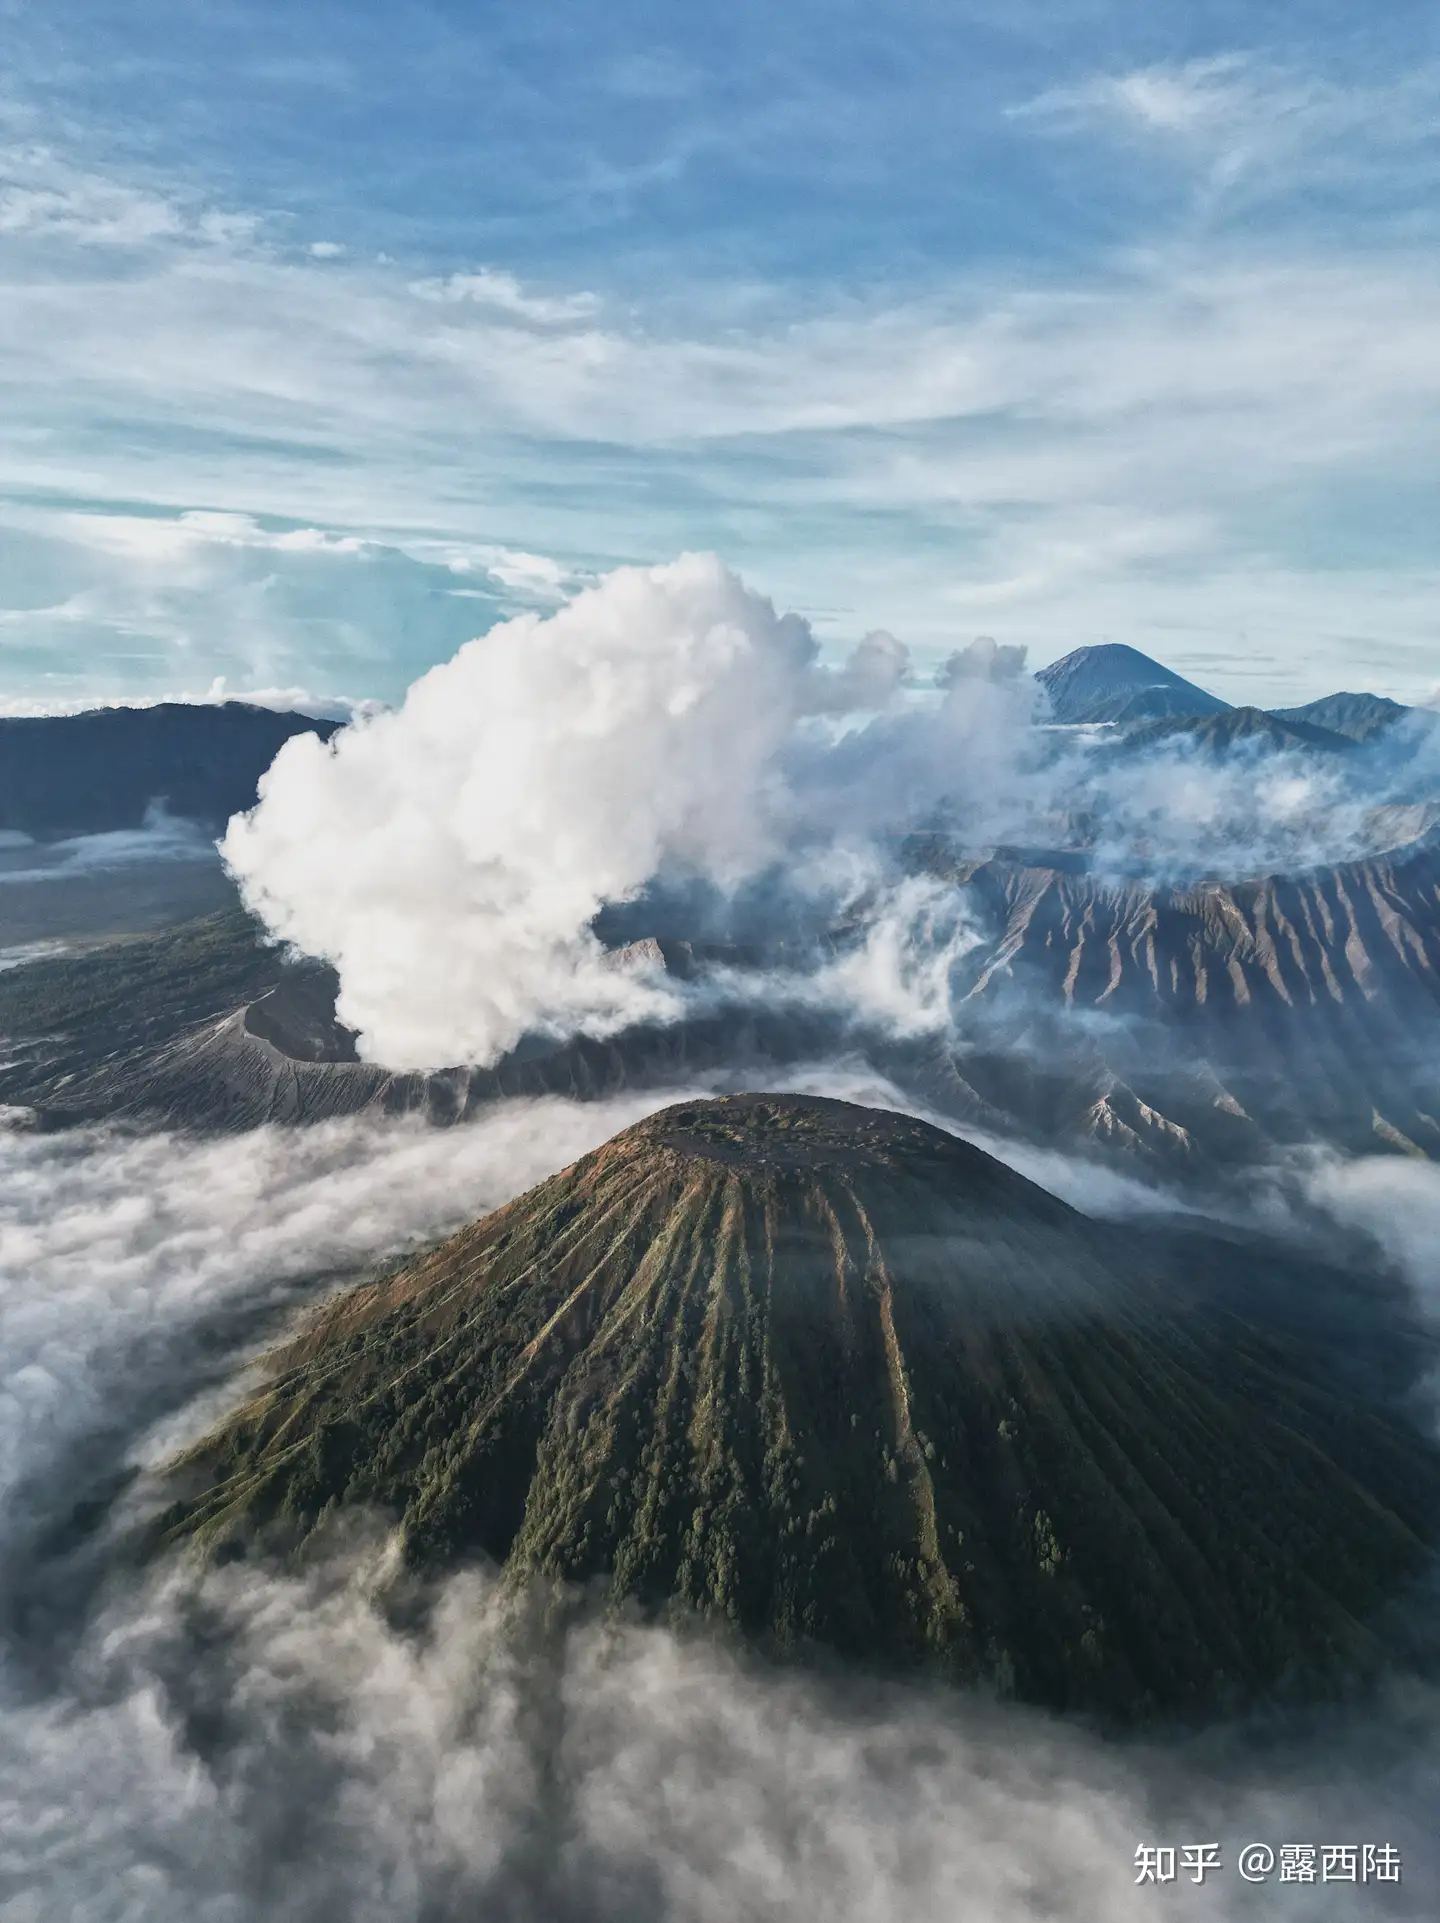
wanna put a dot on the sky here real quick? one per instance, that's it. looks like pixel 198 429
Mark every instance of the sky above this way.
pixel 331 335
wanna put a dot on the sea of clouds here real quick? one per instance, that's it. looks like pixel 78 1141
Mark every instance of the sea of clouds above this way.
pixel 232 1744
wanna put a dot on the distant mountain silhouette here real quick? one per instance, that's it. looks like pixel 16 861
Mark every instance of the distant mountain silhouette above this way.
pixel 1359 716
pixel 1117 683
pixel 92 773
pixel 1215 734
pixel 833 1376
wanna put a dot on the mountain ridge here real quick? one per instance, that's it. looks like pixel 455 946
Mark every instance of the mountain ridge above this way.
pixel 1218 733
pixel 1194 1027
pixel 1362 717
pixel 100 770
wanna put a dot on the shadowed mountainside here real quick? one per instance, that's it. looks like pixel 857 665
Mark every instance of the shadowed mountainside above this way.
pixel 1287 1009
pixel 93 773
pixel 1217 734
pixel 834 1377
pixel 1362 717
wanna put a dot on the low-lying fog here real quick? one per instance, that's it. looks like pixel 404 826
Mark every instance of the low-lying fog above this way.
pixel 234 1745
pixel 73 888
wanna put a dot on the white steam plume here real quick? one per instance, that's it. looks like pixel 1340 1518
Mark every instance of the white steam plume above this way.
pixel 449 857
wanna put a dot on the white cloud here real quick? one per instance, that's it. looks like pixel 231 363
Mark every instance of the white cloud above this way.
pixel 326 250
pixel 110 1243
pixel 163 838
pixel 1244 117
pixel 1022 440
pixel 537 577
pixel 43 197
pixel 164 539
pixel 493 288
pixel 1397 1201
pixel 449 857
pixel 128 606
pixel 46 197
pixel 479 1765
pixel 1182 99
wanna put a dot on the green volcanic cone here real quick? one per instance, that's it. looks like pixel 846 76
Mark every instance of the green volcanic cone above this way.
pixel 839 1378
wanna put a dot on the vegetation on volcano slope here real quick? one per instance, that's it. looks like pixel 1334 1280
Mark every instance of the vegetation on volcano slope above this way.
pixel 839 1378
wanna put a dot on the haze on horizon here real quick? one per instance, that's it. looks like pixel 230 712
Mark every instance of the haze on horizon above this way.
pixel 331 337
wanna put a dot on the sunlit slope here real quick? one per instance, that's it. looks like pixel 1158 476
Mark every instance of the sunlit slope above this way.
pixel 836 1377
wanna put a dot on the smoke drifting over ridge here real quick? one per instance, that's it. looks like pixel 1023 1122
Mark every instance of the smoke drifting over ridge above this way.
pixel 239 1745
pixel 450 858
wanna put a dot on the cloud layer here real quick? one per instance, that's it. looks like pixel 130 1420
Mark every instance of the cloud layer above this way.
pixel 119 1254
pixel 984 439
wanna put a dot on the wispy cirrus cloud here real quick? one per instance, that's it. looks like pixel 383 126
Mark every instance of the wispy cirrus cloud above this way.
pixel 42 197
pixel 46 197
pixel 1188 99
pixel 1244 116
pixel 1215 440
pixel 491 287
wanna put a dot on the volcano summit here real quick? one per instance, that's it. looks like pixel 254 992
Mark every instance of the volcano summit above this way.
pixel 840 1378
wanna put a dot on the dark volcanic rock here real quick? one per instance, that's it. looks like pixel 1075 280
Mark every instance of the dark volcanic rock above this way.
pixel 1116 683
pixel 835 1377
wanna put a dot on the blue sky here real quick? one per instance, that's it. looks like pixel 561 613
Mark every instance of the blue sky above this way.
pixel 331 334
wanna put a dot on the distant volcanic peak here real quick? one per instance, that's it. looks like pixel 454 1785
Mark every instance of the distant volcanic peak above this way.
pixel 1113 682
pixel 760 1359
